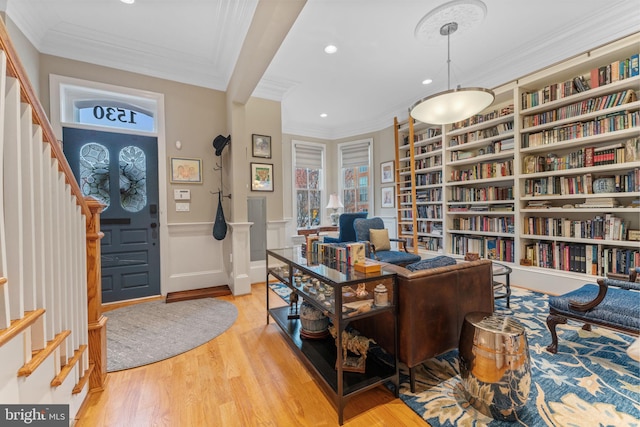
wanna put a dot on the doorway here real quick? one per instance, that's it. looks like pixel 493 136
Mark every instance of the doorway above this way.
pixel 120 170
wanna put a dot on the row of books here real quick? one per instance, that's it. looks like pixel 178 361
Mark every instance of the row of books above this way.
pixel 496 248
pixel 481 118
pixel 484 194
pixel 580 108
pixel 503 224
pixel 429 211
pixel 477 135
pixel 333 254
pixel 495 147
pixel 599 76
pixel 428 162
pixel 603 124
pixel 429 195
pixel 607 227
pixel 582 258
pixel 430 178
pixel 433 244
pixel 429 133
pixel 430 227
pixel 484 170
pixel 579 184
pixel 617 70
pixel 617 153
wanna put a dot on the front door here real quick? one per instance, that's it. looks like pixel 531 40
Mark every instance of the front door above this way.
pixel 121 171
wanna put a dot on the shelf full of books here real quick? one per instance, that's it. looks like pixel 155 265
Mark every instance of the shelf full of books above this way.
pixel 419 159
pixel 579 163
pixel 536 177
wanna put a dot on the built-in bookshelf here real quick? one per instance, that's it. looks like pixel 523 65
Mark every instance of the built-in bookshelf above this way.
pixel 547 178
pixel 419 185
pixel 479 182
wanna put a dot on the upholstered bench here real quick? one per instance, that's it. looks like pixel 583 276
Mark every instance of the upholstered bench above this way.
pixel 613 304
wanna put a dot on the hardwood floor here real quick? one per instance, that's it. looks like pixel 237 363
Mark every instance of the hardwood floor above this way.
pixel 248 376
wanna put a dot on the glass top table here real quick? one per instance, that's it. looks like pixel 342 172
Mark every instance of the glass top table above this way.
pixel 502 270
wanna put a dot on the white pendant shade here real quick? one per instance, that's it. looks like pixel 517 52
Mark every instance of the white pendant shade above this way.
pixel 451 106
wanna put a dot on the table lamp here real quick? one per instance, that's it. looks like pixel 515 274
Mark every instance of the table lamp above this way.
pixel 335 204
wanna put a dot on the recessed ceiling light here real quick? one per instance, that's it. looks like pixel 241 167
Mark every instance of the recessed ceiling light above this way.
pixel 323 115
pixel 427 81
pixel 330 49
pixel 128 1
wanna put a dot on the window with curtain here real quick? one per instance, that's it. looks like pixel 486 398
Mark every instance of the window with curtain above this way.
pixel 309 183
pixel 355 159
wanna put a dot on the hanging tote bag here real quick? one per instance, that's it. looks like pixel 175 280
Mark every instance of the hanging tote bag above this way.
pixel 220 225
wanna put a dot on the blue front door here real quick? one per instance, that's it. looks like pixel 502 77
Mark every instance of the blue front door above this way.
pixel 121 171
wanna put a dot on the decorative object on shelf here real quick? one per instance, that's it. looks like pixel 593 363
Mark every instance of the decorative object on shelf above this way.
pixel 186 171
pixel 604 185
pixel 356 344
pixel 388 197
pixel 335 204
pixel 381 296
pixel 261 145
pixel 471 256
pixel 361 292
pixel 313 322
pixel 529 164
pixel 261 177
pixel 294 312
pixel 386 172
pixel 456 104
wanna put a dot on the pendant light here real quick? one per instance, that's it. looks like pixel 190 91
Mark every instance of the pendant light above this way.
pixel 451 105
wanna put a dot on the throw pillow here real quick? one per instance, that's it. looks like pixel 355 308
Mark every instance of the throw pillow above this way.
pixel 425 264
pixel 380 239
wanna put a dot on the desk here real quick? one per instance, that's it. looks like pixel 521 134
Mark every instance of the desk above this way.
pixel 317 230
pixel 502 270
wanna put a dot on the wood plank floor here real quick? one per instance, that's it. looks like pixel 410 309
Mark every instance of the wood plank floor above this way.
pixel 248 376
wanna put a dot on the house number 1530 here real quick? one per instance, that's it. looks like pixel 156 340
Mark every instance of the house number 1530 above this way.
pixel 112 114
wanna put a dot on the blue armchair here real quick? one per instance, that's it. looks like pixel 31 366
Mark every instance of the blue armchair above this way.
pixel 363 229
pixel 346 231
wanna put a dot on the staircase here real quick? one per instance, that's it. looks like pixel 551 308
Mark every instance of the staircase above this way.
pixel 52 332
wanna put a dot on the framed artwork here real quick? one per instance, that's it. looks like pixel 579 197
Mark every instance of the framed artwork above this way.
pixel 388 197
pixel 261 146
pixel 386 172
pixel 261 177
pixel 186 171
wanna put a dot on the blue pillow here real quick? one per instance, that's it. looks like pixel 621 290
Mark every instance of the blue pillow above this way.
pixel 425 264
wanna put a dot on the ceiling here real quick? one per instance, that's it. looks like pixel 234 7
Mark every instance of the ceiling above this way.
pixel 375 75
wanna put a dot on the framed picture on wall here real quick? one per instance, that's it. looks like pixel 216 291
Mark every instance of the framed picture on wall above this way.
pixel 261 146
pixel 261 177
pixel 386 172
pixel 186 171
pixel 388 197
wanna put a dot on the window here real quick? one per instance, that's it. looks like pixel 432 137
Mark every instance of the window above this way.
pixel 308 183
pixel 94 172
pixel 355 159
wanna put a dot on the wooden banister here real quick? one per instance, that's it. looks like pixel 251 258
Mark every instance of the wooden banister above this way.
pixel 27 95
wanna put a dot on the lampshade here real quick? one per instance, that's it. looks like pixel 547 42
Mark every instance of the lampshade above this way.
pixel 451 105
pixel 334 202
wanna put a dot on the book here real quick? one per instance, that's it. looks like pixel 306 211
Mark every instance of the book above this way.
pixel 634 65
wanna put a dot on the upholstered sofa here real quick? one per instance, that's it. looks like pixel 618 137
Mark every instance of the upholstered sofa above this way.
pixel 432 304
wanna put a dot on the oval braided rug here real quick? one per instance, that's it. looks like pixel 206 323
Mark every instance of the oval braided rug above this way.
pixel 152 331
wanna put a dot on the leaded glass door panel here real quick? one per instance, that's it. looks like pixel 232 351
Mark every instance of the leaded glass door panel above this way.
pixel 120 171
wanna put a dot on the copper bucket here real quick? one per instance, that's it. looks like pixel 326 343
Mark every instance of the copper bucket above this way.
pixel 494 364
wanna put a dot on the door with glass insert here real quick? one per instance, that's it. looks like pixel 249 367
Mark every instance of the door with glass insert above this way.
pixel 120 171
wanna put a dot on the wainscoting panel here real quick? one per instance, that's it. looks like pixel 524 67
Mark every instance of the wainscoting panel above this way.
pixel 195 258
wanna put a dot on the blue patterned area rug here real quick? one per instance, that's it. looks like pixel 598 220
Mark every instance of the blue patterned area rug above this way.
pixel 591 381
